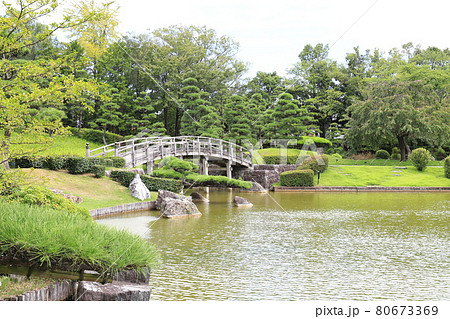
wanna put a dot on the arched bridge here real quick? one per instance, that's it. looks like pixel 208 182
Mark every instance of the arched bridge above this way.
pixel 146 150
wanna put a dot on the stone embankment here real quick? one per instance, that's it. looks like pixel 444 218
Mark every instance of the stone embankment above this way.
pixel 266 175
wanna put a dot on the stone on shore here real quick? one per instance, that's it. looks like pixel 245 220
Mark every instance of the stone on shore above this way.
pixel 242 202
pixel 163 194
pixel 95 291
pixel 138 188
pixel 256 188
pixel 197 197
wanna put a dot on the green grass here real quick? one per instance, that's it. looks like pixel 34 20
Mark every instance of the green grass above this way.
pixel 10 287
pixel 377 162
pixel 60 145
pixel 258 155
pixel 51 238
pixel 382 176
pixel 96 192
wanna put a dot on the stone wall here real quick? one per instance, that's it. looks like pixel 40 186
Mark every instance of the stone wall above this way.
pixel 96 213
pixel 62 290
pixel 265 174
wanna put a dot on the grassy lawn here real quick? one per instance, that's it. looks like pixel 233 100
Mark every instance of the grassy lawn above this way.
pixel 10 287
pixel 96 193
pixel 382 176
pixel 61 145
pixel 259 154
pixel 378 162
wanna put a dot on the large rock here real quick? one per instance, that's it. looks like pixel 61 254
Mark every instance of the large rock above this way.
pixel 138 188
pixel 163 194
pixel 242 202
pixel 176 208
pixel 197 197
pixel 95 291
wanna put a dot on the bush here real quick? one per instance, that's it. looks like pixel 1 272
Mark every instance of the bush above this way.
pixel 118 162
pixel 304 177
pixel 310 140
pixel 41 196
pixel 78 165
pixel 178 165
pixel 167 173
pixel 216 181
pixel 95 136
pixel 447 167
pixel 152 183
pixel 439 154
pixel 382 154
pixel 396 157
pixel 318 164
pixel 56 163
pixel 98 171
pixel 276 160
pixel 420 158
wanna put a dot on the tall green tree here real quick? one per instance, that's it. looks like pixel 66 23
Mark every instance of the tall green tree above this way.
pixel 396 112
pixel 237 119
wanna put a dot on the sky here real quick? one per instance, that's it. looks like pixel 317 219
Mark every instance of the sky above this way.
pixel 272 33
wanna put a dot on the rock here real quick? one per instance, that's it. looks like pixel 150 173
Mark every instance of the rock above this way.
pixel 132 276
pixel 95 291
pixel 138 188
pixel 162 194
pixel 73 198
pixel 256 188
pixel 241 202
pixel 197 197
pixel 56 191
pixel 175 208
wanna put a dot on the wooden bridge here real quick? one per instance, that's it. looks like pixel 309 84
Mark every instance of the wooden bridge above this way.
pixel 147 150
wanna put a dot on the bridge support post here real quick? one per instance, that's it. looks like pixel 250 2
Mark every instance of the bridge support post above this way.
pixel 150 167
pixel 229 169
pixel 203 165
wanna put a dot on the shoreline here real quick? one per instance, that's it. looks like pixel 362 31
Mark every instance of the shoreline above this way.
pixel 362 189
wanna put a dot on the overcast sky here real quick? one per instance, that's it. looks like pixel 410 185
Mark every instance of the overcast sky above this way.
pixel 272 33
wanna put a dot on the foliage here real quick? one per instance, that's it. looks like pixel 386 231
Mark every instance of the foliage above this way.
pixel 43 236
pixel 216 181
pixel 447 167
pixel 95 136
pixel 313 140
pixel 318 164
pixel 168 173
pixel 275 156
pixel 178 165
pixel 382 154
pixel 78 165
pixel 395 154
pixel 41 196
pixel 152 183
pixel 301 177
pixel 420 158
pixel 98 171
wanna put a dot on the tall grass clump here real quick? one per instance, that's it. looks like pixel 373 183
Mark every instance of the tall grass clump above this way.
pixel 43 237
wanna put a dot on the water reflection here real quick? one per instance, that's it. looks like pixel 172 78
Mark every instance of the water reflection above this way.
pixel 330 246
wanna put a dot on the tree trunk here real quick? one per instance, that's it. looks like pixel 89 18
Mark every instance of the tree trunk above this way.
pixel 402 147
pixel 5 147
pixel 104 135
pixel 177 122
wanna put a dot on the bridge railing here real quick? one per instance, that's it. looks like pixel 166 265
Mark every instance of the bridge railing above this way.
pixel 141 150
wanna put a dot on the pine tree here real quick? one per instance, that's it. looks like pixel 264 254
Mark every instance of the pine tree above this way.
pixel 237 119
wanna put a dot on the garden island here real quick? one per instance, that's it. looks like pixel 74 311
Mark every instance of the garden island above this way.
pixel 295 184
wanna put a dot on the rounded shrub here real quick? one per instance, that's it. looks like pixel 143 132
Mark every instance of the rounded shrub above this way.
pixel 382 154
pixel 420 158
pixel 447 166
pixel 98 171
pixel 78 165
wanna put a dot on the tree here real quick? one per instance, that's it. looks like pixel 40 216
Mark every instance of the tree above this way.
pixel 51 119
pixel 237 119
pixel 396 112
pixel 288 119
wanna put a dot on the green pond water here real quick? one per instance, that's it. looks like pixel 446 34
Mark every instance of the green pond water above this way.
pixel 302 246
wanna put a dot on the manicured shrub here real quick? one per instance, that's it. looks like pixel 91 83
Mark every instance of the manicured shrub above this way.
pixel 304 177
pixel 447 167
pixel 420 158
pixel 167 173
pixel 118 162
pixel 439 154
pixel 318 164
pixel 178 165
pixel 78 165
pixel 396 157
pixel 276 160
pixel 307 141
pixel 56 163
pixel 382 154
pixel 152 183
pixel 216 181
pixel 98 170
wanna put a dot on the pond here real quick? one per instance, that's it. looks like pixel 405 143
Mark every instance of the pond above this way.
pixel 302 246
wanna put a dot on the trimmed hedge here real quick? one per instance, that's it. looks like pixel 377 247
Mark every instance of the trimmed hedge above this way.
pixel 95 136
pixel 382 154
pixel 314 164
pixel 98 171
pixel 152 183
pixel 310 140
pixel 276 160
pixel 78 165
pixel 303 177
pixel 447 167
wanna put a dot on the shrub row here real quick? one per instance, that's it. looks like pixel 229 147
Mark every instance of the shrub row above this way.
pixel 75 165
pixel 276 160
pixel 95 136
pixel 216 181
pixel 303 177
pixel 152 183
